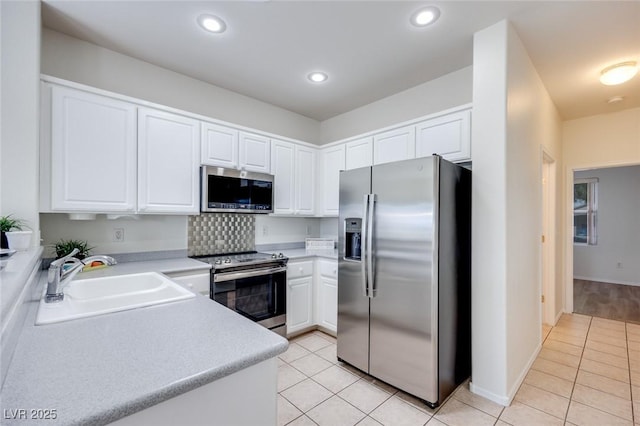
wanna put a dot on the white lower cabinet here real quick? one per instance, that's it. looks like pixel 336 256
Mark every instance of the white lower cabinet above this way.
pixel 312 298
pixel 299 296
pixel 327 298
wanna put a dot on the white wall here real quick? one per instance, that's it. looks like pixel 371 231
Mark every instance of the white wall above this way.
pixel 276 230
pixel 146 233
pixel 618 229
pixel 514 118
pixel 76 60
pixel 20 70
pixel 442 93
pixel 603 140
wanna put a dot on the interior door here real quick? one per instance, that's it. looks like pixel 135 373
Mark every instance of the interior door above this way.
pixel 403 349
pixel 353 305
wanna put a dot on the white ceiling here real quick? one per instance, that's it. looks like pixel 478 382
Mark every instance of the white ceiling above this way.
pixel 368 48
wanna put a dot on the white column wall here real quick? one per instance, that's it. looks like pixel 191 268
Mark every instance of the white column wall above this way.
pixel 514 118
pixel 20 74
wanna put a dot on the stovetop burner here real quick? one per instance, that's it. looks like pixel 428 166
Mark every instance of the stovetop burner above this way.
pixel 228 260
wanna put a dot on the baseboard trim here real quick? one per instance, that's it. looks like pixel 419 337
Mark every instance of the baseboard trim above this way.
pixel 506 400
pixel 558 317
pixel 605 280
pixel 502 400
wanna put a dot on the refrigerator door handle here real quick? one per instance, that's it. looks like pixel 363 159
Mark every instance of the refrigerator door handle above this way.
pixel 371 278
pixel 364 249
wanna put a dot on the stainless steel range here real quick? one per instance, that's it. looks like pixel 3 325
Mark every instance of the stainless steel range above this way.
pixel 252 284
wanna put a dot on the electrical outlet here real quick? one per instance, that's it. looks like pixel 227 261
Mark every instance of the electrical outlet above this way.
pixel 308 229
pixel 265 230
pixel 619 265
pixel 118 235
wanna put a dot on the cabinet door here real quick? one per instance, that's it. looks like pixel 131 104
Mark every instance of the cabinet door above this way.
pixel 168 163
pixel 328 306
pixel 327 294
pixel 394 145
pixel 359 153
pixel 305 180
pixel 333 160
pixel 93 153
pixel 219 146
pixel 299 304
pixel 448 136
pixel 282 167
pixel 254 152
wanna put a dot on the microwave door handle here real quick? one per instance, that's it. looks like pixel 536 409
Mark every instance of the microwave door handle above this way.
pixel 364 249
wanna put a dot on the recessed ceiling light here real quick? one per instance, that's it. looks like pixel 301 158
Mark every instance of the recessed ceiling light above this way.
pixel 212 23
pixel 425 16
pixel 318 77
pixel 618 73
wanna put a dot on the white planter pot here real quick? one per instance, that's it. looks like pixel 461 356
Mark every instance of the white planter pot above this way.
pixel 19 240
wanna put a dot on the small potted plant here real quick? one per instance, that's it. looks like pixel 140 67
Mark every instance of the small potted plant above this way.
pixel 13 235
pixel 64 247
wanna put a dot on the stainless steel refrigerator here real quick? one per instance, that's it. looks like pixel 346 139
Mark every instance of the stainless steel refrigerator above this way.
pixel 404 285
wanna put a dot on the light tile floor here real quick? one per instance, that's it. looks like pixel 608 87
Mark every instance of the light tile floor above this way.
pixel 587 373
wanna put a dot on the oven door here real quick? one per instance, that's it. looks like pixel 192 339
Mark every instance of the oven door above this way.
pixel 258 294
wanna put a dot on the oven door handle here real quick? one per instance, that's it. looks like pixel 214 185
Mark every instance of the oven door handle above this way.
pixel 229 276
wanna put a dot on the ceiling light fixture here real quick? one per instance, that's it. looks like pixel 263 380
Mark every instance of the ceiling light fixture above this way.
pixel 318 77
pixel 212 23
pixel 615 99
pixel 425 16
pixel 618 73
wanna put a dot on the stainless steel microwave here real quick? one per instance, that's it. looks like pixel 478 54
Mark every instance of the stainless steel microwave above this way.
pixel 235 191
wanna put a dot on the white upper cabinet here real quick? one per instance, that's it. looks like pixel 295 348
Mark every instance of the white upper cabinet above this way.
pixel 394 145
pixel 283 168
pixel 305 180
pixel 255 152
pixel 333 161
pixel 359 153
pixel 448 136
pixel 168 163
pixel 88 152
pixel 219 146
pixel 294 169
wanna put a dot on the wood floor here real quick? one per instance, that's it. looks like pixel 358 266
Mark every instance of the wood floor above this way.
pixel 605 300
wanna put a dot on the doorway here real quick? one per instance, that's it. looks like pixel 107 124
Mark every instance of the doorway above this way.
pixel 605 273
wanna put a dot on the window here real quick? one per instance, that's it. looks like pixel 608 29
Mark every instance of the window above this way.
pixel 585 211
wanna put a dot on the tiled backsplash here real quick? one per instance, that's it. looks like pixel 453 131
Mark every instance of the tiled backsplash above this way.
pixel 211 233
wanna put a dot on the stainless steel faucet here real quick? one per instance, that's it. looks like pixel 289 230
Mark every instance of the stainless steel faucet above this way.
pixel 58 276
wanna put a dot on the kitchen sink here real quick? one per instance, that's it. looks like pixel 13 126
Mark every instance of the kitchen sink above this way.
pixel 97 296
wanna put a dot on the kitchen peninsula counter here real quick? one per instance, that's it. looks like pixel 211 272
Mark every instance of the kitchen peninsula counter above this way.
pixel 100 369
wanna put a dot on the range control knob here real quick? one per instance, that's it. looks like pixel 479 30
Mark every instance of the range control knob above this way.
pixel 218 262
pixel 227 260
pixel 274 256
pixel 280 255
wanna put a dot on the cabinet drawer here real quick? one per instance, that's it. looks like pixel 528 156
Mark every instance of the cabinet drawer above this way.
pixel 300 269
pixel 328 268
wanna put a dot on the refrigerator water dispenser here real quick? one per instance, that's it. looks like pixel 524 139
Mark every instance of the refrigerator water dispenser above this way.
pixel 353 232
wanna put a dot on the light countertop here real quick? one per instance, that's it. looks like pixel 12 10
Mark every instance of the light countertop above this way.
pixel 99 369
